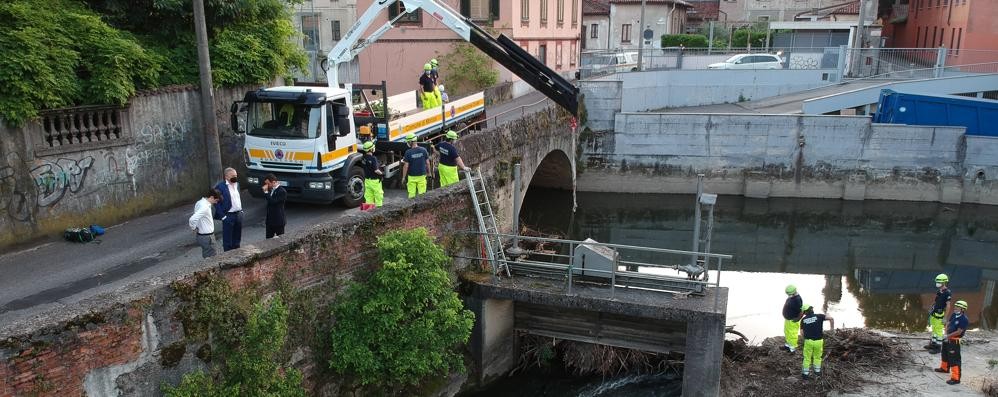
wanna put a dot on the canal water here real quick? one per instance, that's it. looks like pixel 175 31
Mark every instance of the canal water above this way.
pixel 867 264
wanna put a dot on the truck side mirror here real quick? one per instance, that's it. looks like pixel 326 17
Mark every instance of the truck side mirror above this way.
pixel 234 120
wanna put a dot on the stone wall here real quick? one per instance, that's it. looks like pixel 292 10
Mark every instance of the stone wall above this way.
pixel 154 160
pixel 788 156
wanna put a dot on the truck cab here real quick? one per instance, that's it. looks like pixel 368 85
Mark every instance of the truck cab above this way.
pixel 304 136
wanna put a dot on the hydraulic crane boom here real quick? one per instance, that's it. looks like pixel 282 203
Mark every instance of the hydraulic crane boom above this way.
pixel 501 49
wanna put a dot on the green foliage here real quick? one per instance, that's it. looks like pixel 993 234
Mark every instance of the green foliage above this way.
pixel 405 323
pixel 685 40
pixel 57 53
pixel 745 37
pixel 466 69
pixel 247 339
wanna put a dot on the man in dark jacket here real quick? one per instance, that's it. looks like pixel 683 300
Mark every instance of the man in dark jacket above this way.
pixel 230 210
pixel 791 318
pixel 276 196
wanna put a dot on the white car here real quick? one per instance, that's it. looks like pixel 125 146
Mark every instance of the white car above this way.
pixel 750 61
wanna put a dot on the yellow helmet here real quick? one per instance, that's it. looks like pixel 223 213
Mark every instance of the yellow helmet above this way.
pixel 410 137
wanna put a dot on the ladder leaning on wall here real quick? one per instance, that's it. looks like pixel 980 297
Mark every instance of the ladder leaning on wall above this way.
pixel 487 223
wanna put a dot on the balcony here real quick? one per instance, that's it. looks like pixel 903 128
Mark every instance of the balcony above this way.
pixel 899 13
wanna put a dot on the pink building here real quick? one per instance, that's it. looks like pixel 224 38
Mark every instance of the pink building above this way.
pixel 547 29
pixel 963 26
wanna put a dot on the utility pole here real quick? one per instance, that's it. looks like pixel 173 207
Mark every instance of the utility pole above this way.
pixel 641 38
pixel 857 48
pixel 208 122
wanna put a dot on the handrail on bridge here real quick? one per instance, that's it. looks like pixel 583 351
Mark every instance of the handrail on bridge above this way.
pixel 561 265
pixel 521 108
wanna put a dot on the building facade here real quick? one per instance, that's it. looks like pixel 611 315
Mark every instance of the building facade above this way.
pixel 322 23
pixel 966 28
pixel 616 24
pixel 770 10
pixel 547 29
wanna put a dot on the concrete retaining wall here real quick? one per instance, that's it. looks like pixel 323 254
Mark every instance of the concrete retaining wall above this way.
pixel 787 156
pixel 159 161
pixel 644 91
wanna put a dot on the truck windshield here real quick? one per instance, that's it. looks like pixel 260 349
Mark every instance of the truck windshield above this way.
pixel 283 120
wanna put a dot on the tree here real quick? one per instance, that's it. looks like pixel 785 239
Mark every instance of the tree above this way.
pixel 466 69
pixel 405 323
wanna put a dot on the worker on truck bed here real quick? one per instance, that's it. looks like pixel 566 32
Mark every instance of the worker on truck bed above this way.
pixel 791 318
pixel 812 327
pixel 435 74
pixel 414 166
pixel 450 160
pixel 951 343
pixel 938 313
pixel 373 192
pixel 427 87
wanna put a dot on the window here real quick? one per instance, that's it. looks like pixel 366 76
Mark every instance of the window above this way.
pixel 959 35
pixel 764 18
pixel 575 13
pixel 952 36
pixel 542 53
pixel 335 29
pixel 557 55
pixel 942 33
pixel 625 33
pixel 478 10
pixel 594 31
pixel 561 12
pixel 310 32
pixel 918 36
pixel 934 31
pixel 583 37
pixel 524 10
pixel 544 12
pixel 571 57
pixel 398 8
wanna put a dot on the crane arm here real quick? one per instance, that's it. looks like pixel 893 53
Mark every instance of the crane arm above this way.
pixel 500 48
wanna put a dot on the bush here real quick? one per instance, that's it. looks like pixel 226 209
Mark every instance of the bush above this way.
pixel 466 69
pixel 685 40
pixel 755 38
pixel 405 323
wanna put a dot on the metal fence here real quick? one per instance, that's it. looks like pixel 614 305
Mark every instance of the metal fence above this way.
pixel 897 63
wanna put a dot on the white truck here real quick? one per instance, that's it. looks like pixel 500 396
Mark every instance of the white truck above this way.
pixel 308 135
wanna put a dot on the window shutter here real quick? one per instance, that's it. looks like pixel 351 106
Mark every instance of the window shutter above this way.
pixel 494 9
pixel 393 10
pixel 466 8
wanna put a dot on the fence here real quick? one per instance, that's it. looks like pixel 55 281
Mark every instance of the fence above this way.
pixel 893 63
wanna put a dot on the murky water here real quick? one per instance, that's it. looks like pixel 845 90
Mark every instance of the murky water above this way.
pixel 867 264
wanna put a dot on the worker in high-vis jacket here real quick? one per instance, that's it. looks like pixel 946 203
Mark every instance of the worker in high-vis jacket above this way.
pixel 791 318
pixel 955 329
pixel 414 167
pixel 450 160
pixel 373 191
pixel 428 87
pixel 435 74
pixel 813 328
pixel 938 313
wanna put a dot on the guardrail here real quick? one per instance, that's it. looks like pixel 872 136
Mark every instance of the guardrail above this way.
pixel 615 265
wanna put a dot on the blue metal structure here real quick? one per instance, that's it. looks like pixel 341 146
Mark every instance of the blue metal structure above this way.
pixel 979 116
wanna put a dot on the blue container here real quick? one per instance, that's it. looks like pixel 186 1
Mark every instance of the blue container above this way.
pixel 979 116
pixel 382 132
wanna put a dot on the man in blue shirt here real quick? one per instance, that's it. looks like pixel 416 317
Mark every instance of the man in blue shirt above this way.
pixel 791 318
pixel 939 312
pixel 450 160
pixel 812 327
pixel 414 167
pixel 958 324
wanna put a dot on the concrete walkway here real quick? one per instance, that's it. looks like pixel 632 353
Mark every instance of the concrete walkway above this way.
pixel 783 104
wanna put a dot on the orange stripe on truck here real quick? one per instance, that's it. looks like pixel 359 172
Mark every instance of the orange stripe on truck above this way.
pixel 336 154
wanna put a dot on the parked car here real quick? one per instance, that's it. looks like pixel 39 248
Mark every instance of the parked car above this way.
pixel 597 64
pixel 750 61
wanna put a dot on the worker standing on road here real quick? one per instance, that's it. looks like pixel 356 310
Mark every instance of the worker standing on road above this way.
pixel 938 313
pixel 812 327
pixel 791 318
pixel 450 160
pixel 958 324
pixel 427 86
pixel 203 223
pixel 435 73
pixel 414 166
pixel 373 192
pixel 230 210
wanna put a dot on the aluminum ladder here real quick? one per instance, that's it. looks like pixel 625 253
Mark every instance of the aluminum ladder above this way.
pixel 487 223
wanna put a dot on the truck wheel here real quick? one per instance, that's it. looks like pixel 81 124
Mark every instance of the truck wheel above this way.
pixel 354 189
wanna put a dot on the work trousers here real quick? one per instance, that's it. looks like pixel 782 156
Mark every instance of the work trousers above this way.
pixel 791 329
pixel 429 99
pixel 373 192
pixel 936 323
pixel 448 174
pixel 813 350
pixel 232 230
pixel 416 185
pixel 951 358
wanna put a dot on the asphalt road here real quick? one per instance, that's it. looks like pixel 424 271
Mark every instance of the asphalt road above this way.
pixel 59 273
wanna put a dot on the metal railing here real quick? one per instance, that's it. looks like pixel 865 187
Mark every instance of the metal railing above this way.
pixel 494 118
pixel 626 266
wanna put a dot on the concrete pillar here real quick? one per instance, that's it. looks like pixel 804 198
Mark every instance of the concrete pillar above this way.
pixel 493 343
pixel 704 350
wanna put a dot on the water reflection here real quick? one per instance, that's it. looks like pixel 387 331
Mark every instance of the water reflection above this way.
pixel 865 263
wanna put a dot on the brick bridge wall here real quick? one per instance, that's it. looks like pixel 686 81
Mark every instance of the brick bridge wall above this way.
pixel 127 343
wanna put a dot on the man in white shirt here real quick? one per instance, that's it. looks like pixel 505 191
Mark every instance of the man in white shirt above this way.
pixel 203 223
pixel 230 210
